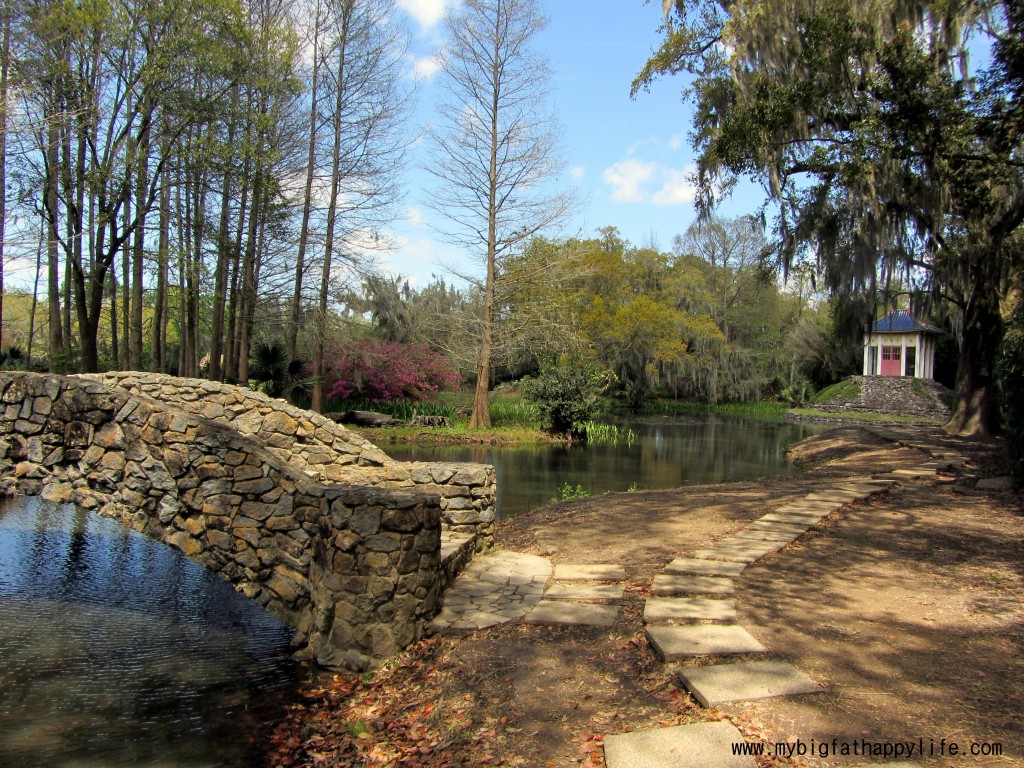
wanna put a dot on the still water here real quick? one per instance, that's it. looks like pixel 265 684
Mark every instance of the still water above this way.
pixel 667 452
pixel 116 650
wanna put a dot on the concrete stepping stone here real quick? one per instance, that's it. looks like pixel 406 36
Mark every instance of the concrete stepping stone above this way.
pixel 768 525
pixel 807 508
pixel 563 613
pixel 594 572
pixel 835 496
pixel 913 474
pixel 658 610
pixel 735 553
pixel 766 534
pixel 682 746
pixel 703 567
pixel 741 542
pixel 671 584
pixel 745 681
pixel 792 517
pixel 584 591
pixel 677 642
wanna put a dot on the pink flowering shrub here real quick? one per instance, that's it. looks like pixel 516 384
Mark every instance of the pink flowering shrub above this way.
pixel 388 371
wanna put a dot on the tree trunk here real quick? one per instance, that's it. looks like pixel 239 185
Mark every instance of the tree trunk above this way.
pixel 320 331
pixel 56 330
pixel 976 396
pixel 220 280
pixel 134 339
pixel 5 60
pixel 159 340
pixel 292 335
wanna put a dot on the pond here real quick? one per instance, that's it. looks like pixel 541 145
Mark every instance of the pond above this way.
pixel 667 452
pixel 118 650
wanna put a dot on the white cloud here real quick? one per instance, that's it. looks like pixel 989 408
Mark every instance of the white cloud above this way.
pixel 426 12
pixel 414 216
pixel 633 180
pixel 578 172
pixel 676 189
pixel 424 67
pixel 627 177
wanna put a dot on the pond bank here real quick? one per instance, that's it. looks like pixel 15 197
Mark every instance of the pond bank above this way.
pixel 526 695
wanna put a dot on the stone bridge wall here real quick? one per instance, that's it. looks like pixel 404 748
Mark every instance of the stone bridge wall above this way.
pixel 325 450
pixel 355 570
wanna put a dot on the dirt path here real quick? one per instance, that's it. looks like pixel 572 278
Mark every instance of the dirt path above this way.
pixel 907 607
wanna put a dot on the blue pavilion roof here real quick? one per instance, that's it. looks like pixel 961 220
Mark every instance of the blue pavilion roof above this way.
pixel 901 321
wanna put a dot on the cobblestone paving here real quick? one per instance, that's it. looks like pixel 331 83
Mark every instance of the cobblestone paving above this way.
pixel 494 589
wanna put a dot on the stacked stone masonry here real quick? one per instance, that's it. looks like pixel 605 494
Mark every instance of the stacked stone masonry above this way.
pixel 895 396
pixel 356 570
pixel 325 450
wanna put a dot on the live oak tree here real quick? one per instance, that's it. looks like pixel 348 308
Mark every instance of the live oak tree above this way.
pixel 890 158
pixel 493 151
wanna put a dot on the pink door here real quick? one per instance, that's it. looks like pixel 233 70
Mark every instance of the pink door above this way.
pixel 891 362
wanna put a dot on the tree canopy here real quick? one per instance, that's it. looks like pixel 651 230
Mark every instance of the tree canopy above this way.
pixel 892 158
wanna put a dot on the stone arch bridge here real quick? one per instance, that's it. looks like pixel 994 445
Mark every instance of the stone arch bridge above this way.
pixel 307 518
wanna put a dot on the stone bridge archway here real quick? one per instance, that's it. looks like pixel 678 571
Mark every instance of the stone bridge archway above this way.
pixel 355 570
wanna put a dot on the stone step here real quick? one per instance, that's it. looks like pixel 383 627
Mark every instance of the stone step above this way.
pixel 768 525
pixel 745 681
pixel 671 584
pixel 766 534
pixel 792 519
pixel 569 614
pixel 678 642
pixel 660 610
pixel 682 746
pixel 584 591
pixel 590 572
pixel 734 554
pixel 803 507
pixel 746 542
pixel 833 497
pixel 913 473
pixel 703 567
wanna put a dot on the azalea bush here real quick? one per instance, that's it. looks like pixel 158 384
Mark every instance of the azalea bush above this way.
pixel 380 371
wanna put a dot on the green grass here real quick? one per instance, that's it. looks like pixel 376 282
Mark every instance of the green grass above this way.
pixel 606 434
pixel 762 410
pixel 515 411
pixel 843 390
pixel 857 416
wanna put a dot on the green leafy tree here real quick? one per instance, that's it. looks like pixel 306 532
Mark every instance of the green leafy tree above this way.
pixel 567 394
pixel 889 157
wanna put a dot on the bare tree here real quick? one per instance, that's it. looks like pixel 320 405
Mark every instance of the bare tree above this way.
pixel 494 149
pixel 363 108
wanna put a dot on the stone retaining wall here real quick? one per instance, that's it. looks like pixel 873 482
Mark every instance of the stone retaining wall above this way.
pixel 326 450
pixel 355 570
pixel 894 396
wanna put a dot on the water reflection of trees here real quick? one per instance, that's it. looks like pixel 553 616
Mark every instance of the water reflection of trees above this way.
pixel 667 453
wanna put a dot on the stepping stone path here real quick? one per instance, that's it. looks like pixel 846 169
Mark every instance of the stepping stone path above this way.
pixel 745 681
pixel 509 585
pixel 494 589
pixel 680 594
pixel 581 584
pixel 682 746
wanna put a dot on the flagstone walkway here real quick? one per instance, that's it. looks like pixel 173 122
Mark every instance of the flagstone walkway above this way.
pixel 689 615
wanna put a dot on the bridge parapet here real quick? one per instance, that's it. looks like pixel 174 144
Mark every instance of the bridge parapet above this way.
pixel 355 570
pixel 325 450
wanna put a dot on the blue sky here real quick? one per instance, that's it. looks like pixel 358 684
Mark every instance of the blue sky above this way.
pixel 626 159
